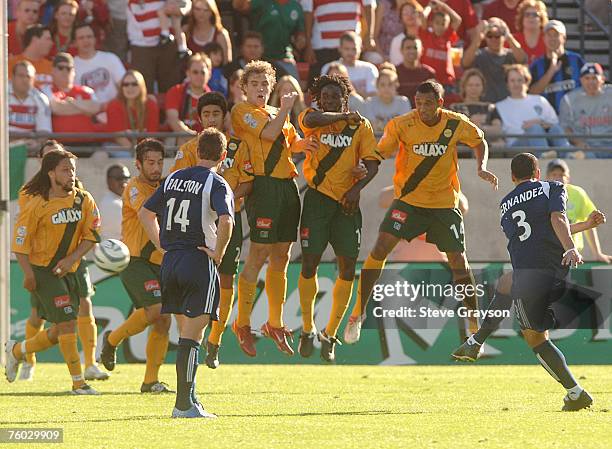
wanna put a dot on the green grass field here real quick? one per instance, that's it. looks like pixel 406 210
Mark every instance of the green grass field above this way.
pixel 268 406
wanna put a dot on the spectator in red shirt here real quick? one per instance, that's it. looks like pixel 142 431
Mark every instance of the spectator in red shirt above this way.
pixel 465 10
pixel 26 14
pixel 95 13
pixel 506 10
pixel 62 26
pixel 72 106
pixel 531 18
pixel 411 72
pixel 182 99
pixel 133 109
pixel 437 41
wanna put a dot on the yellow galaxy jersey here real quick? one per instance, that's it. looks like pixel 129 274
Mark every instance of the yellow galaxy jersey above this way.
pixel 47 231
pixel 132 232
pixel 426 171
pixel 232 168
pixel 341 147
pixel 268 158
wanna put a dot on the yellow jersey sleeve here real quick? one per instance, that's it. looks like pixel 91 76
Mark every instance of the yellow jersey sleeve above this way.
pixel 389 142
pixel 91 222
pixel 469 134
pixel 242 162
pixel 248 119
pixel 136 197
pixel 367 140
pixel 186 156
pixel 25 229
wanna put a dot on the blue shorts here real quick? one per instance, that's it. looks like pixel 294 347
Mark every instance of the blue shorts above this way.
pixel 189 284
pixel 534 292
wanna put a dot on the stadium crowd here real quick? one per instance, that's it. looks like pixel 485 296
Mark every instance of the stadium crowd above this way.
pixel 96 66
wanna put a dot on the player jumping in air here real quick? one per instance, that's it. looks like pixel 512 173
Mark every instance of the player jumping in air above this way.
pixel 57 227
pixel 189 203
pixel 212 108
pixel 141 277
pixel 426 192
pixel 331 214
pixel 273 207
pixel 534 219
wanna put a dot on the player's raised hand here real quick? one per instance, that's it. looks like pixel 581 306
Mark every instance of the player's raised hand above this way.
pixel 212 254
pixel 309 143
pixel 287 101
pixel 572 258
pixel 489 177
pixel 596 218
pixel 354 118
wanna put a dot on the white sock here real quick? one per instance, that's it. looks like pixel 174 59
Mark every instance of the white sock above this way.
pixel 574 392
pixel 23 349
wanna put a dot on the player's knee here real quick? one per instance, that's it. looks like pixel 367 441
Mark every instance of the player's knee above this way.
pixel 346 269
pixel 381 249
pixel 308 270
pixel 52 334
pixel 162 323
pixel 534 338
pixel 66 327
pixel 226 281
pixel 85 306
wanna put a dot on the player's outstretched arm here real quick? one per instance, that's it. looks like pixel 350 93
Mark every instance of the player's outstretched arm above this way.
pixel 481 152
pixel 595 219
pixel 63 266
pixel 149 222
pixel 316 119
pixel 224 233
pixel 561 226
pixel 350 200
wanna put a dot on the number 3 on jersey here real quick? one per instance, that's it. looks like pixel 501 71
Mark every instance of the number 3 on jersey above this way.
pixel 181 214
pixel 523 224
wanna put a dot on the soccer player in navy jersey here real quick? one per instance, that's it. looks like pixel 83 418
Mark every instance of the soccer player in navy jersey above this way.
pixel 534 219
pixel 195 207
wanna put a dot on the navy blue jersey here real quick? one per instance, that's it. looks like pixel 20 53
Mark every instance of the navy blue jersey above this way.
pixel 188 205
pixel 525 219
pixel 566 79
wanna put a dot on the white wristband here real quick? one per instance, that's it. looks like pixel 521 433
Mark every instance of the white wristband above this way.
pixel 568 251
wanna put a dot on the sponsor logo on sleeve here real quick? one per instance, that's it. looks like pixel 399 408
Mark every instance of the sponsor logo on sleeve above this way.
pixel 19 241
pixel 133 194
pixel 250 120
pixel 179 155
pixel 22 231
pixel 247 166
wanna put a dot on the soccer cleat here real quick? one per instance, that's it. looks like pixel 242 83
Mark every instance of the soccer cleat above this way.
pixel 328 347
pixel 584 400
pixel 93 372
pixel 84 390
pixel 156 388
pixel 279 336
pixel 212 355
pixel 108 355
pixel 306 343
pixel 196 411
pixel 12 363
pixel 27 371
pixel 352 331
pixel 469 351
pixel 245 339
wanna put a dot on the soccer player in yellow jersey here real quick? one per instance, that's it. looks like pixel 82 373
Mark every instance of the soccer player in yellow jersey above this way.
pixel 273 208
pixel 86 324
pixel 57 227
pixel 212 108
pixel 426 192
pixel 330 213
pixel 141 276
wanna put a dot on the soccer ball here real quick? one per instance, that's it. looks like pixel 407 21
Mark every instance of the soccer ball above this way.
pixel 111 255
